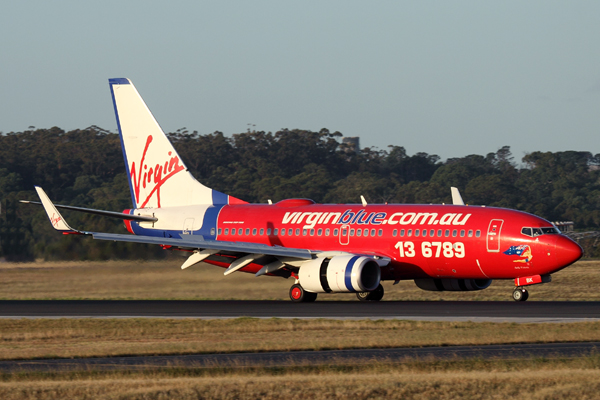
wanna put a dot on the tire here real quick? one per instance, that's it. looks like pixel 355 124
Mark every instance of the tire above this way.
pixel 520 295
pixel 299 295
pixel 375 295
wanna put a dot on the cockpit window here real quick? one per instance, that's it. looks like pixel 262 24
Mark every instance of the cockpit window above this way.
pixel 533 232
pixel 549 230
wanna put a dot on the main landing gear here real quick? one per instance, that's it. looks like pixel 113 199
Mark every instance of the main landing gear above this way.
pixel 299 295
pixel 520 294
pixel 375 295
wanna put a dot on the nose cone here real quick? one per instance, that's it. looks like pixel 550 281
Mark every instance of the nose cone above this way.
pixel 567 251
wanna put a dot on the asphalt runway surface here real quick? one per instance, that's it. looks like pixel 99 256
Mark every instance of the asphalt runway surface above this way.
pixel 493 311
pixel 309 358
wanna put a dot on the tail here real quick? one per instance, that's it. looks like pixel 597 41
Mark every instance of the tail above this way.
pixel 157 175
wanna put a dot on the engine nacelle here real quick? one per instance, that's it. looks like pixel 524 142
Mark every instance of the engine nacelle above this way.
pixel 340 274
pixel 453 285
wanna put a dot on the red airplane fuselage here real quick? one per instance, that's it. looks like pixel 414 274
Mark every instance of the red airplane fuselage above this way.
pixel 422 241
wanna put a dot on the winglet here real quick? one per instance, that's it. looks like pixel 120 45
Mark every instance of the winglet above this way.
pixel 57 220
pixel 456 197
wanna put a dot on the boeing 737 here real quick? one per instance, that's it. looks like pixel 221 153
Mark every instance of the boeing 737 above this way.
pixel 324 248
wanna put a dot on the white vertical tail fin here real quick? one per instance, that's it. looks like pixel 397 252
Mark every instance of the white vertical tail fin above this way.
pixel 157 175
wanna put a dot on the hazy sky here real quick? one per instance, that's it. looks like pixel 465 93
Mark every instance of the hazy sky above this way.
pixel 443 77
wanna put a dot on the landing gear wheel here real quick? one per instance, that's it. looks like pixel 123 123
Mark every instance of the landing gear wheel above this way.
pixel 299 295
pixel 520 294
pixel 375 295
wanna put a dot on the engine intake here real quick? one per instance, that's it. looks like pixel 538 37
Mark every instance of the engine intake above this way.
pixel 340 274
pixel 453 285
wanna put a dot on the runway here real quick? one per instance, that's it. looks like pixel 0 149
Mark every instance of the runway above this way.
pixel 508 311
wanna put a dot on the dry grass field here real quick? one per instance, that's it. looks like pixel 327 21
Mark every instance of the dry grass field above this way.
pixel 165 280
pixel 66 338
pixel 477 379
pixel 382 379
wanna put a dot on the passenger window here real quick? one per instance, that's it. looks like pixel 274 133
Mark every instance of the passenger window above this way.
pixel 447 233
pixel 312 232
pixel 454 233
pixel 297 231
pixel 247 231
pixel 212 231
pixel 424 232
pixel 262 231
pixel 470 233
pixel 395 232
pixel 254 232
pixel 462 233
pixel 227 231
pixel 303 232
pixel 439 233
pixel 240 231
pixel 358 232
pixel 282 232
pixel 275 231
pixel 335 232
pixel 366 233
pixel 417 232
pixel 327 232
pixel 351 232
pixel 290 232
pixel 372 232
pixel 319 232
pixel 220 229
pixel 380 232
pixel 432 233
pixel 409 233
pixel 402 232
pixel 477 233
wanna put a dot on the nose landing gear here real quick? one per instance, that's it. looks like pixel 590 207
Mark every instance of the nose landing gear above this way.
pixel 520 294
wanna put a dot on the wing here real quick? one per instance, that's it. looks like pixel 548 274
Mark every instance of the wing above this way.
pixel 275 260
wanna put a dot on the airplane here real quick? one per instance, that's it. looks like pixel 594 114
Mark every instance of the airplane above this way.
pixel 325 248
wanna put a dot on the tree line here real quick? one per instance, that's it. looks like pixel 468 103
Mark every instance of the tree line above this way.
pixel 85 168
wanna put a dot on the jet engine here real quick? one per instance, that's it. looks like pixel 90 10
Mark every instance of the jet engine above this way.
pixel 453 285
pixel 340 274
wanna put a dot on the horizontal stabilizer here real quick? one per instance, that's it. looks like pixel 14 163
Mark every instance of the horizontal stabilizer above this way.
pixel 111 214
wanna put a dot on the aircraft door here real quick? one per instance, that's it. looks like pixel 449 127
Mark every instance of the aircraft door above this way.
pixel 344 235
pixel 493 235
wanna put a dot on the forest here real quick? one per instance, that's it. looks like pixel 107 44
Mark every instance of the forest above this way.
pixel 85 168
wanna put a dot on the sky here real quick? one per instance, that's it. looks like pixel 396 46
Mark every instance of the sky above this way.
pixel 450 78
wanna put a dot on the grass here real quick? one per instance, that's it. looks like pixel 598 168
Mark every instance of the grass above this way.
pixel 409 379
pixel 165 280
pixel 65 338
pixel 378 379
